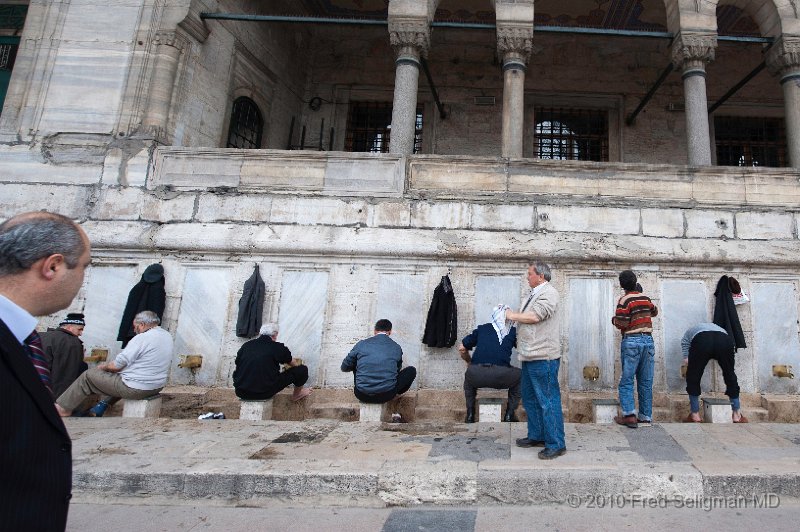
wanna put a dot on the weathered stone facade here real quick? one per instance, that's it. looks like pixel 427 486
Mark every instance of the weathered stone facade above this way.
pixel 121 127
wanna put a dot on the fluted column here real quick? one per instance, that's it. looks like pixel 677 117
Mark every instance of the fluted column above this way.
pixel 514 42
pixel 167 48
pixel 783 59
pixel 410 39
pixel 690 54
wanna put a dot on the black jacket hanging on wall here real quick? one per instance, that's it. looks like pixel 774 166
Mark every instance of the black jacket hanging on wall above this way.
pixel 725 314
pixel 441 327
pixel 251 306
pixel 147 294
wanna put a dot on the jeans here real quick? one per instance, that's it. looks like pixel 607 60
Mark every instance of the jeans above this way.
pixel 541 397
pixel 637 354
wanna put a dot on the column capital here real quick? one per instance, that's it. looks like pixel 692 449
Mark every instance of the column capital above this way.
pixel 783 58
pixel 409 36
pixel 515 43
pixel 691 51
pixel 168 38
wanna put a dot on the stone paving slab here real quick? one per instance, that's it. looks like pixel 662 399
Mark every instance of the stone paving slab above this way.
pixel 419 463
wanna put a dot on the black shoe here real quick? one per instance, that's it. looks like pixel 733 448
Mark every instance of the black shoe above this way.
pixel 549 454
pixel 470 416
pixel 509 417
pixel 525 442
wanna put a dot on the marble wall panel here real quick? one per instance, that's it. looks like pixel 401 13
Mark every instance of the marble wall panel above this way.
pixel 774 308
pixel 591 335
pixel 401 300
pixel 202 318
pixel 106 294
pixel 491 291
pixel 683 305
pixel 301 318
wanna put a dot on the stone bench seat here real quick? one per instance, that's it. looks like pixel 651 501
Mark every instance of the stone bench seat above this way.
pixel 717 410
pixel 604 410
pixel 255 410
pixel 369 412
pixel 147 407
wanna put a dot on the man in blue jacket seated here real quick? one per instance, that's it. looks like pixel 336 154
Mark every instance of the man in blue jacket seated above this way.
pixel 490 366
pixel 375 363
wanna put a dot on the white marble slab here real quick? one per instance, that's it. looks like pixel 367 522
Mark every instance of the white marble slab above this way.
pixel 401 300
pixel 774 309
pixel 106 294
pixel 591 335
pixel 201 324
pixel 301 319
pixel 683 305
pixel 491 291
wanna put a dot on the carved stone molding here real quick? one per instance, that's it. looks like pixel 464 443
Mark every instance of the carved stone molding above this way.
pixel 693 51
pixel 515 42
pixel 169 38
pixel 784 57
pixel 410 36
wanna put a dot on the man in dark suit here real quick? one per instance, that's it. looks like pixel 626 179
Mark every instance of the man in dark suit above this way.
pixel 43 257
pixel 376 364
pixel 258 374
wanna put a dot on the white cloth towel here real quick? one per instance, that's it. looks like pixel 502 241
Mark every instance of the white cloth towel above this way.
pixel 499 322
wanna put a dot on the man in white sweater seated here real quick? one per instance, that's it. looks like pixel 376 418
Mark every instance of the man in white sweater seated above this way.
pixel 138 372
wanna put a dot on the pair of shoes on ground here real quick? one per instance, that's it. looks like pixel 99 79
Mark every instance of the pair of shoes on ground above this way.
pixel 690 419
pixel 211 415
pixel 629 421
pixel 300 393
pixel 544 454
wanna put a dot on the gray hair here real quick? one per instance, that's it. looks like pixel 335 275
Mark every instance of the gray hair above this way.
pixel 147 317
pixel 27 238
pixel 542 269
pixel 269 329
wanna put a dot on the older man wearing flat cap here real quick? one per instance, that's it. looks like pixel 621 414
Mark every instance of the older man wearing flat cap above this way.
pixel 63 348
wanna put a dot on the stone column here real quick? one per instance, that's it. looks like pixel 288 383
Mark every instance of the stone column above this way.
pixel 410 39
pixel 783 60
pixel 514 42
pixel 690 53
pixel 167 48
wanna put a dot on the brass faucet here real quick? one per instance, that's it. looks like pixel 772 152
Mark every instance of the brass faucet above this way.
pixel 190 361
pixel 98 354
pixel 684 367
pixel 782 370
pixel 591 373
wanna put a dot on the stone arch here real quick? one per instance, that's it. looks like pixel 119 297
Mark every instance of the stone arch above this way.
pixel 773 17
pixel 763 12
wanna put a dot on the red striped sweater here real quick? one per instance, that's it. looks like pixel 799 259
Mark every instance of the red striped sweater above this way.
pixel 634 313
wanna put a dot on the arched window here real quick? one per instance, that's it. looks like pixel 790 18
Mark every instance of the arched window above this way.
pixel 246 125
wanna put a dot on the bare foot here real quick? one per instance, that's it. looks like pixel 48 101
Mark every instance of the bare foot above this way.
pixel 61 411
pixel 300 393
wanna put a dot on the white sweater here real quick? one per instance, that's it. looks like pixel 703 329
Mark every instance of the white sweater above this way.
pixel 146 360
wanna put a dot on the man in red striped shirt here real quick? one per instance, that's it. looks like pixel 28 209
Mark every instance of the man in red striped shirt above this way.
pixel 634 319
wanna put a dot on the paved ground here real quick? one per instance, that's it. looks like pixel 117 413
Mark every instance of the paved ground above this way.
pixel 323 462
pixel 127 518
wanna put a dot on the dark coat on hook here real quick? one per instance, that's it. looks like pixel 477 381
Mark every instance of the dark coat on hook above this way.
pixel 147 294
pixel 441 327
pixel 725 314
pixel 251 306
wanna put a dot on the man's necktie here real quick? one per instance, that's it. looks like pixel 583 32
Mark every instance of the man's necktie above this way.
pixel 33 345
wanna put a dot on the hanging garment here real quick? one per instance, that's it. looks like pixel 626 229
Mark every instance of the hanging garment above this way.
pixel 441 326
pixel 251 306
pixel 725 314
pixel 147 294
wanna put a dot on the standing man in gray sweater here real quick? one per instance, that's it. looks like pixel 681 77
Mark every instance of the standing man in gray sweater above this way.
pixel 139 371
pixel 375 363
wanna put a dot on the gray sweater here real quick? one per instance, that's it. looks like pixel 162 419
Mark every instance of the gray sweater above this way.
pixel 688 336
pixel 376 362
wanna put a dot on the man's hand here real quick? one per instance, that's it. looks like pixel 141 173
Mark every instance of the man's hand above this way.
pixel 295 362
pixel 109 367
pixel 464 353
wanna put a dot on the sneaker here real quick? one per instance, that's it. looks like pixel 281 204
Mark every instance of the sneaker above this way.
pixel 207 415
pixel 397 418
pixel 219 415
pixel 629 421
pixel 98 410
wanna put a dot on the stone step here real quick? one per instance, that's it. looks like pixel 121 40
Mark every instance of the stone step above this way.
pixel 755 414
pixel 338 411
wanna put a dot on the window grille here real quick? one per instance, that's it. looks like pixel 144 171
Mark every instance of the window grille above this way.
pixel 571 134
pixel 750 141
pixel 8 53
pixel 246 125
pixel 369 127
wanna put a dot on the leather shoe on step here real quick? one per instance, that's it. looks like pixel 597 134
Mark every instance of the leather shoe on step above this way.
pixel 549 454
pixel 470 416
pixel 525 442
pixel 629 421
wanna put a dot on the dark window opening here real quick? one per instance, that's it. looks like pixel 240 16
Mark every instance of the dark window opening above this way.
pixel 571 134
pixel 369 127
pixel 246 125
pixel 750 141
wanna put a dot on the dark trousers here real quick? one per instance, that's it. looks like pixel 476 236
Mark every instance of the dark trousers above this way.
pixel 709 345
pixel 297 375
pixel 404 381
pixel 491 376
